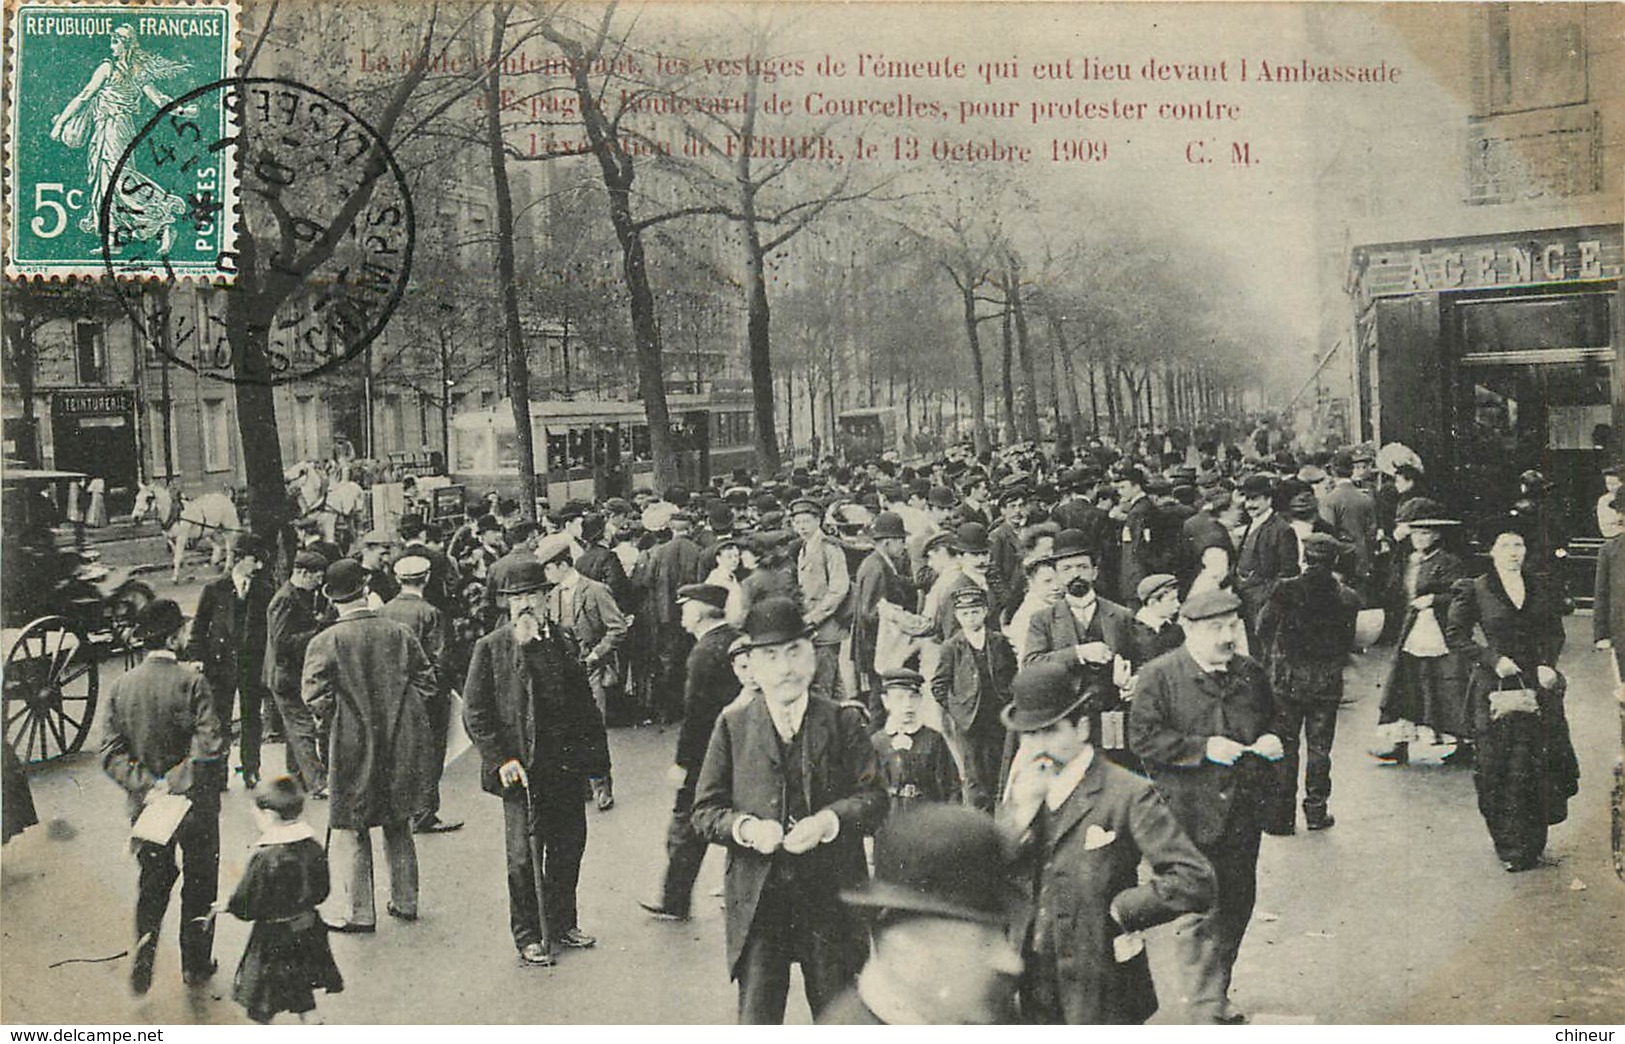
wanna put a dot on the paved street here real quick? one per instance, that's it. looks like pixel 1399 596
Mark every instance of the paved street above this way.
pixel 1399 914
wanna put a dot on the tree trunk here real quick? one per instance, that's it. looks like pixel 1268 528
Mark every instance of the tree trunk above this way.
pixel 967 293
pixel 1029 373
pixel 1066 397
pixel 615 164
pixel 250 310
pixel 513 333
pixel 1007 389
pixel 758 323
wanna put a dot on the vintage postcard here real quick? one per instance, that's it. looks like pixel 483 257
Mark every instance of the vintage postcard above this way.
pixel 678 512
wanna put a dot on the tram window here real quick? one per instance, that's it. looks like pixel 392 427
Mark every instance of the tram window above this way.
pixel 557 451
pixel 640 443
pixel 507 451
pixel 743 420
pixel 580 448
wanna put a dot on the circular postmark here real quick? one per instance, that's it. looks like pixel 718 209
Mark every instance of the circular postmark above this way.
pixel 306 209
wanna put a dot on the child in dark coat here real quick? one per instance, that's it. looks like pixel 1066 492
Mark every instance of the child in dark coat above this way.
pixel 288 956
pixel 916 765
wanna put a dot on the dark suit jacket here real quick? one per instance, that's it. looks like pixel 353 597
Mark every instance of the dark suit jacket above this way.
pixel 1177 707
pixel 957 683
pixel 497 709
pixel 671 565
pixel 604 565
pixel 291 621
pixel 161 720
pixel 1532 636
pixel 1269 552
pixel 742 776
pixel 1138 550
pixel 709 685
pixel 427 625
pixel 228 634
pixel 1052 635
pixel 1087 867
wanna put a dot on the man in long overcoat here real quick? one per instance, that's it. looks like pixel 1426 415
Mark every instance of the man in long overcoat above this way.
pixel 1201 724
pixel 1082 827
pixel 790 786
pixel 530 712
pixel 412 608
pixel 1268 552
pixel 371 679
pixel 883 576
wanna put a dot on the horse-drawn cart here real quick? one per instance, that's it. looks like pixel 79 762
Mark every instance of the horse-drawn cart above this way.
pixel 61 614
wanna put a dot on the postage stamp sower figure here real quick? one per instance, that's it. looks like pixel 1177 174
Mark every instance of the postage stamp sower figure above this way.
pixel 84 80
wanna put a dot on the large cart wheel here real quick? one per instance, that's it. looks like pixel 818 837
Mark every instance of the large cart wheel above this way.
pixel 51 682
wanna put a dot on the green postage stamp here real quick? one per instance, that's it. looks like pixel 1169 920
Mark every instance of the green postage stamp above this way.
pixel 87 192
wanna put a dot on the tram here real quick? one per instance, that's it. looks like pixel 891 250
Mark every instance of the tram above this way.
pixel 591 449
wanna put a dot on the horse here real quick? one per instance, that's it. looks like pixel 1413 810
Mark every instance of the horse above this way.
pixel 212 515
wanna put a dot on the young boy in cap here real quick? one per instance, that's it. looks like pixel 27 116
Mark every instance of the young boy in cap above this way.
pixel 1155 631
pixel 972 685
pixel 937 908
pixel 164 736
pixel 1082 827
pixel 916 765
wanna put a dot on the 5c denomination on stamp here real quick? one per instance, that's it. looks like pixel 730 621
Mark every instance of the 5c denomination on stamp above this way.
pixel 84 78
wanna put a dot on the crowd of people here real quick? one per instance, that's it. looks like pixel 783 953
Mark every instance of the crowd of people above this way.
pixel 1103 657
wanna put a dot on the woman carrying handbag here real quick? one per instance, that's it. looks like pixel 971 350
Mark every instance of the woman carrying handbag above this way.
pixel 1526 769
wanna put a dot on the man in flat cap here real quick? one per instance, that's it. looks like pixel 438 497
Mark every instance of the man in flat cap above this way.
pixel 293 617
pixel 529 710
pixel 228 639
pixel 822 576
pixel 164 735
pixel 938 908
pixel 1307 631
pixel 670 566
pixel 709 685
pixel 1084 826
pixel 589 615
pixel 370 678
pixel 1202 724
pixel 411 609
pixel 790 785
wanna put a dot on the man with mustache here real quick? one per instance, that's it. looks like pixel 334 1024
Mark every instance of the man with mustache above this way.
pixel 1200 723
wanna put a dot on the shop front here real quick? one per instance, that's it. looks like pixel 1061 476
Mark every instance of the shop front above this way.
pixel 93 431
pixel 1493 355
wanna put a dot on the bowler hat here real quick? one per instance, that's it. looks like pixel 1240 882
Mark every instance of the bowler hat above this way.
pixel 157 621
pixel 310 561
pixel 1258 486
pixel 592 527
pixel 940 860
pixel 1068 544
pixel 888 525
pixel 488 524
pixel 1041 695
pixel 1207 605
pixel 520 575
pixel 720 517
pixel 971 537
pixel 251 546
pixel 941 497
pixel 901 678
pixel 345 581
pixel 714 595
pixel 775 621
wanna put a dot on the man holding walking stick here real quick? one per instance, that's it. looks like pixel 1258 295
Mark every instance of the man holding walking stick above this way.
pixel 529 709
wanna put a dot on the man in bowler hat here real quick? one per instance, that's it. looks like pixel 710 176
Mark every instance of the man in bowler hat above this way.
pixel 790 785
pixel 1201 722
pixel 938 908
pixel 164 736
pixel 710 685
pixel 1084 826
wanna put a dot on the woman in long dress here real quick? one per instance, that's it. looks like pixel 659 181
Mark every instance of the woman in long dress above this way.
pixel 102 119
pixel 1525 770
pixel 1426 685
